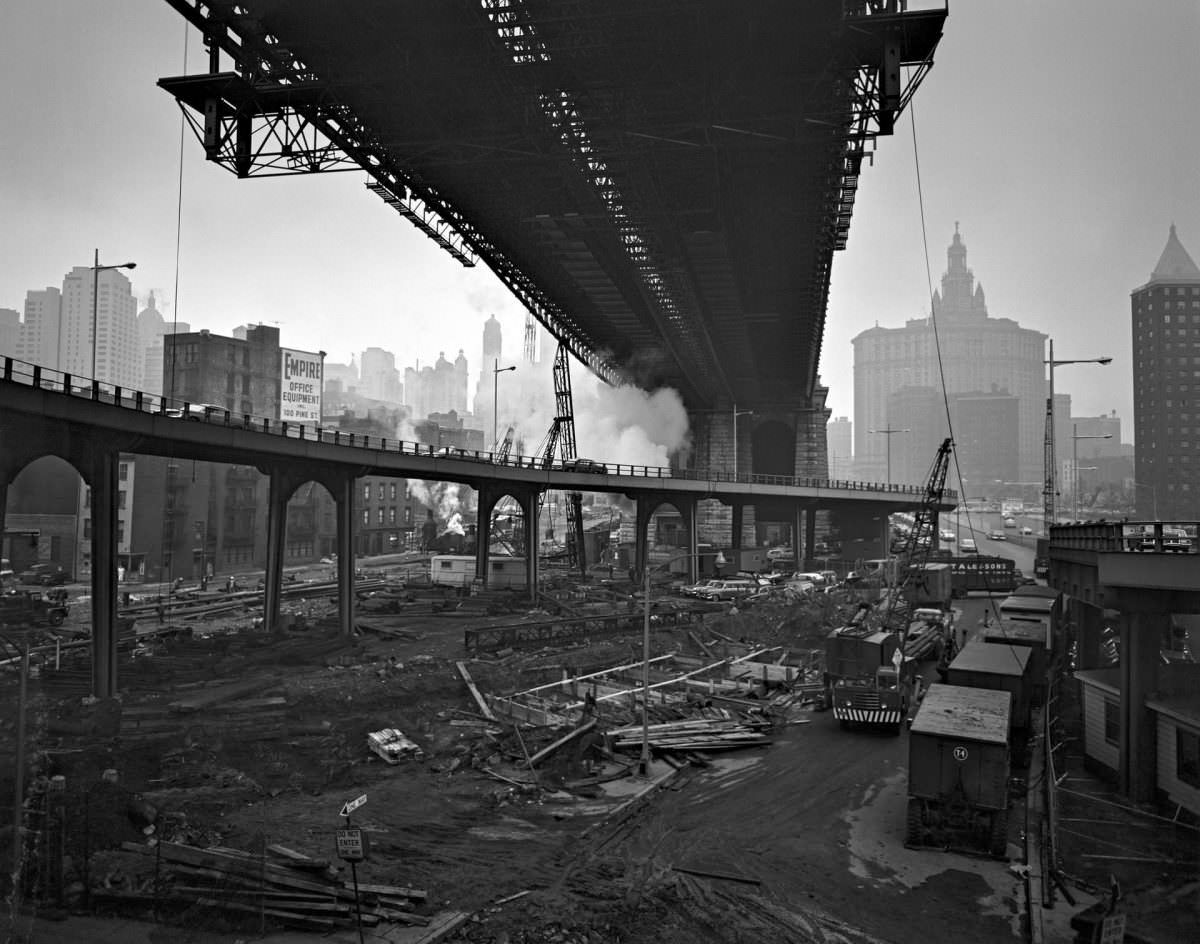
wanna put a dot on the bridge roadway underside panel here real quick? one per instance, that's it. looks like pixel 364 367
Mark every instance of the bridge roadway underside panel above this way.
pixel 663 185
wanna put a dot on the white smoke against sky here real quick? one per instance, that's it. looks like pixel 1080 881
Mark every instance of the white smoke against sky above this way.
pixel 616 425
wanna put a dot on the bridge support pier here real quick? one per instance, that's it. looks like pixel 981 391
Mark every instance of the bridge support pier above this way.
pixel 529 509
pixel 1141 638
pixel 646 506
pixel 737 526
pixel 487 497
pixel 343 497
pixel 102 478
pixel 280 490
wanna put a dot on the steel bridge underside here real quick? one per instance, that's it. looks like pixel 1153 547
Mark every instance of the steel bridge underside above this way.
pixel 663 184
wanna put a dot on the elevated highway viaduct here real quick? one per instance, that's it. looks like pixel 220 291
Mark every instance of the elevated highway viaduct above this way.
pixel 92 425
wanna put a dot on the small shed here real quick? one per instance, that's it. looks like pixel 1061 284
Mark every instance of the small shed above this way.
pixel 458 570
pixel 1100 694
pixel 1178 773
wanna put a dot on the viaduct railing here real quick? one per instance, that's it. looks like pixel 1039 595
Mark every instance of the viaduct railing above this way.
pixel 34 375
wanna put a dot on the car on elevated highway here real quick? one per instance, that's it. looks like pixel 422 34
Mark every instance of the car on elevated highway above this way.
pixel 196 412
pixel 584 465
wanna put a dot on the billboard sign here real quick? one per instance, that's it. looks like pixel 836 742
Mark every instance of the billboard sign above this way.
pixel 300 391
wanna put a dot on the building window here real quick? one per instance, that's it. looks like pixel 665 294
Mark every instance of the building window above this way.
pixel 121 498
pixel 367 491
pixel 123 471
pixel 1112 722
pixel 391 516
pixel 366 517
pixel 392 493
pixel 1187 757
pixel 381 491
pixel 380 516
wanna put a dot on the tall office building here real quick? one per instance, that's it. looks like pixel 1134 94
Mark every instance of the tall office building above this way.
pixel 41 333
pixel 1166 386
pixel 10 331
pixel 113 345
pixel 437 389
pixel 379 378
pixel 492 356
pixel 978 352
pixel 838 442
pixel 152 326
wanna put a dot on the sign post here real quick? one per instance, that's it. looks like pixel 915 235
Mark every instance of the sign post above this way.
pixel 352 847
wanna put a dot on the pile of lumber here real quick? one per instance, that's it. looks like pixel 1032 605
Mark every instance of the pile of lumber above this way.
pixel 223 709
pixel 698 735
pixel 286 887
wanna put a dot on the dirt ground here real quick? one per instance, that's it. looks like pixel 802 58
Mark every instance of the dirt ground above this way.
pixel 798 841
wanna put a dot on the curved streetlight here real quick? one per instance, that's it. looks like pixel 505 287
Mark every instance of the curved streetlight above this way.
pixel 97 268
pixel 497 370
pixel 736 414
pixel 889 432
pixel 720 561
pixel 1050 487
pixel 1075 437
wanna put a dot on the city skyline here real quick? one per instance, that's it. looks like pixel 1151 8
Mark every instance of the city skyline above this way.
pixel 1062 248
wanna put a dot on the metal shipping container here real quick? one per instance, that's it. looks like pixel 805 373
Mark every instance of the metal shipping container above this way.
pixel 1000 667
pixel 958 768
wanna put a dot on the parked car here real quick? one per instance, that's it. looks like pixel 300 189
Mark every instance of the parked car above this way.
pixel 729 589
pixel 584 465
pixel 46 575
pixel 197 412
pixel 697 589
pixel 967 546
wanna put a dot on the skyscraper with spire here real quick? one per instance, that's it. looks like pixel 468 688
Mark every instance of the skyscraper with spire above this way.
pixel 982 359
pixel 1166 386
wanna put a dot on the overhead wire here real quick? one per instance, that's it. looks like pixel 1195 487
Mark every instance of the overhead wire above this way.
pixel 937 345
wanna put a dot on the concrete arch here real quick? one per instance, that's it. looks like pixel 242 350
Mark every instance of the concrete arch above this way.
pixel 650 547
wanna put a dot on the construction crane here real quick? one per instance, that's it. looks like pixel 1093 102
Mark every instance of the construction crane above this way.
pixel 923 536
pixel 561 439
pixel 503 448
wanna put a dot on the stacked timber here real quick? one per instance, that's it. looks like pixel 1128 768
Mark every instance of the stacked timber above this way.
pixel 222 709
pixel 699 735
pixel 286 887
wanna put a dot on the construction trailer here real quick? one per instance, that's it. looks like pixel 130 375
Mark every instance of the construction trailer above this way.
pixel 1039 606
pixel 999 667
pixel 458 570
pixel 1032 637
pixel 868 679
pixel 958 770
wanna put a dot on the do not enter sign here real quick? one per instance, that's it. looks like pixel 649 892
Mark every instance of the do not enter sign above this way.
pixel 351 845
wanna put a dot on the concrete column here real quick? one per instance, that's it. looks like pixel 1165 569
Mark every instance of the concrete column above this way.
pixel 529 508
pixel 1141 639
pixel 644 505
pixel 687 512
pixel 279 492
pixel 735 535
pixel 810 534
pixel 1089 624
pixel 343 496
pixel 103 482
pixel 486 498
pixel 799 549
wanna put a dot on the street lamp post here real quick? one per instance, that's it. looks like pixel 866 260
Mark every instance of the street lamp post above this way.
pixel 889 432
pixel 97 268
pixel 1075 437
pixel 736 414
pixel 497 370
pixel 1050 485
pixel 644 761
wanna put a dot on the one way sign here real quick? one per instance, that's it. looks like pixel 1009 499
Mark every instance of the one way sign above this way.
pixel 351 805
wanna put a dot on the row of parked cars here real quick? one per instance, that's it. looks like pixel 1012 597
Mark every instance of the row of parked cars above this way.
pixel 744 586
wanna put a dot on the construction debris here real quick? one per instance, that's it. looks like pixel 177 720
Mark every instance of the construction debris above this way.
pixel 393 746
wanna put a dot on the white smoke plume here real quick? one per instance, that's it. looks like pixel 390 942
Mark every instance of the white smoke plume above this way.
pixel 443 498
pixel 616 425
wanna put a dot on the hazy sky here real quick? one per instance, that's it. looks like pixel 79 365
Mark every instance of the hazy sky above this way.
pixel 1063 136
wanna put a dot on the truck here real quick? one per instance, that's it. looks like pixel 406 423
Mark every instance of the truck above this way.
pixel 958 770
pixel 32 608
pixel 1000 667
pixel 868 679
pixel 982 573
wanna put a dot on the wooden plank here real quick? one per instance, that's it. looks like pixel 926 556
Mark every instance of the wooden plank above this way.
pixel 566 739
pixel 395 891
pixel 484 707
pixel 696 639
pixel 217 694
pixel 442 926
